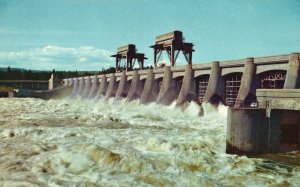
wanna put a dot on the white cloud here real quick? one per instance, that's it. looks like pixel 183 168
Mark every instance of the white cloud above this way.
pixel 60 58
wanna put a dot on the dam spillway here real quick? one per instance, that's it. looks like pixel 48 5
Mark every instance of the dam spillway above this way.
pixel 255 123
pixel 234 83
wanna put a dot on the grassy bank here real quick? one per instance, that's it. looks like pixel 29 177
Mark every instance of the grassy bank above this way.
pixel 6 89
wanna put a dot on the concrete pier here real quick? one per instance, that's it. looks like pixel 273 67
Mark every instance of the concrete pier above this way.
pixel 81 86
pixel 151 89
pixel 168 91
pixel 214 90
pixel 247 88
pixel 87 87
pixel 102 88
pixel 94 88
pixel 136 87
pixel 187 92
pixel 292 78
pixel 112 87
pixel 75 87
pixel 123 87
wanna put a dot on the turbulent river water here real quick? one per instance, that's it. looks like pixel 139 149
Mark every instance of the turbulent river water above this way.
pixel 74 142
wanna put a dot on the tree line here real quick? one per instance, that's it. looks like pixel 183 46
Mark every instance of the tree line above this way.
pixel 20 74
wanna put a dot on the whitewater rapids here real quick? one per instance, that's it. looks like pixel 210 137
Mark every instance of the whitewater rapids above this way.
pixel 76 142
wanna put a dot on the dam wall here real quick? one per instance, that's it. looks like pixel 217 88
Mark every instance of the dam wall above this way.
pixel 231 82
pixel 263 95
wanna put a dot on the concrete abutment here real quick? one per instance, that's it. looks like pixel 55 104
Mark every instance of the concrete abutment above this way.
pixel 251 131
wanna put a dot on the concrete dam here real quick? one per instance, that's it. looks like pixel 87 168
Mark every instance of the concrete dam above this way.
pixel 263 93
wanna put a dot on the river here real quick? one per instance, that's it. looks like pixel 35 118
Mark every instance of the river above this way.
pixel 75 142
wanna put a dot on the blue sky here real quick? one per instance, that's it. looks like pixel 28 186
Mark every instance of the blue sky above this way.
pixel 82 34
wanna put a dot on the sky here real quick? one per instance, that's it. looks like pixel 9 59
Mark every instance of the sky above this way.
pixel 82 34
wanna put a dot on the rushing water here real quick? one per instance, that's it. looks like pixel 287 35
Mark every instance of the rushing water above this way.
pixel 75 142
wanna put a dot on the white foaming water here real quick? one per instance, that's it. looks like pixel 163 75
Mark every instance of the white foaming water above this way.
pixel 77 142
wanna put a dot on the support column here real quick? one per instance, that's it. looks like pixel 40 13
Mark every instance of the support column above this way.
pixel 75 87
pixel 112 87
pixel 102 88
pixel 168 91
pixel 155 58
pixel 123 87
pixel 136 87
pixel 247 88
pixel 187 92
pixel 151 89
pixel 214 91
pixel 71 82
pixel 292 80
pixel 81 86
pixel 172 56
pixel 87 88
pixel 94 88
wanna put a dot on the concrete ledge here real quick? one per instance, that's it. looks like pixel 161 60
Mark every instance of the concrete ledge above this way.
pixel 232 63
pixel 178 68
pixel 288 99
pixel 143 72
pixel 158 70
pixel 270 67
pixel 128 73
pixel 226 71
pixel 204 66
pixel 278 93
pixel 270 59
pixel 201 72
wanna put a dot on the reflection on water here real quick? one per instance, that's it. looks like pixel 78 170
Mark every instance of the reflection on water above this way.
pixel 113 143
